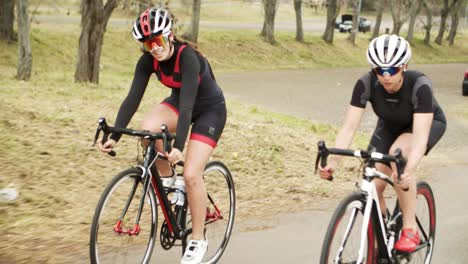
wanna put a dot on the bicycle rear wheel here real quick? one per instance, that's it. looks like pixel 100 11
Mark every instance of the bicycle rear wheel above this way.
pixel 220 211
pixel 112 243
pixel 343 238
pixel 426 220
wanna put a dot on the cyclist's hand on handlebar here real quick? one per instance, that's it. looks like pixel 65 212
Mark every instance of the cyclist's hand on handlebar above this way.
pixel 405 180
pixel 327 172
pixel 174 156
pixel 106 147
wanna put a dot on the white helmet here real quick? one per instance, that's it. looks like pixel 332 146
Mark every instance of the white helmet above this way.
pixel 153 21
pixel 388 51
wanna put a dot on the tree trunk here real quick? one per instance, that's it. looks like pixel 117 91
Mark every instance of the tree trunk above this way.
pixel 24 46
pixel 378 19
pixel 192 32
pixel 7 18
pixel 299 31
pixel 455 19
pixel 414 11
pixel 268 31
pixel 332 13
pixel 443 22
pixel 356 7
pixel 94 18
pixel 428 5
pixel 397 8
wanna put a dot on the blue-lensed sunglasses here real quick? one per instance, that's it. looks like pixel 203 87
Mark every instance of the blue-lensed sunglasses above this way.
pixel 390 70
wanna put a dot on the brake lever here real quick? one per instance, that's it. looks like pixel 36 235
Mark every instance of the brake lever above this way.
pixel 102 125
pixel 322 155
pixel 400 163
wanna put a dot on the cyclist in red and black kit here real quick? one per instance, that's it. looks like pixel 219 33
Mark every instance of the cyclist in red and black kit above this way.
pixel 196 99
pixel 409 118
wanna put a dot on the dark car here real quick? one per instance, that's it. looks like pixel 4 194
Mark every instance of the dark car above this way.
pixel 465 84
pixel 345 25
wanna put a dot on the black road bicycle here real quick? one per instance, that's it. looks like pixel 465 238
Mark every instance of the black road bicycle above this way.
pixel 125 223
pixel 358 233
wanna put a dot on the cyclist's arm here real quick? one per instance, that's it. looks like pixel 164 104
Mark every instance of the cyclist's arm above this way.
pixel 351 123
pixel 129 106
pixel 190 69
pixel 353 115
pixel 422 121
pixel 421 127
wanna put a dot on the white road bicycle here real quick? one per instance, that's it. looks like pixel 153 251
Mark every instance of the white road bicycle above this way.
pixel 358 233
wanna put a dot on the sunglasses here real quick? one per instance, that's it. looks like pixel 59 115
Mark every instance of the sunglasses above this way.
pixel 383 71
pixel 156 42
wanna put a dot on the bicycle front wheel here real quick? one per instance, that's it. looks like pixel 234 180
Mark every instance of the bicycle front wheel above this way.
pixel 343 237
pixel 220 211
pixel 426 221
pixel 111 239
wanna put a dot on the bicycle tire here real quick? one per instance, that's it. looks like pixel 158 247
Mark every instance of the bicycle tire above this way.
pixel 353 204
pixel 426 220
pixel 137 248
pixel 221 194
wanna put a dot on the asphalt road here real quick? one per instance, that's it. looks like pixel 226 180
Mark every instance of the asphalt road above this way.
pixel 322 95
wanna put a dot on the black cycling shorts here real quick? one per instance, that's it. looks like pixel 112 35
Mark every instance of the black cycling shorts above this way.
pixel 382 139
pixel 207 125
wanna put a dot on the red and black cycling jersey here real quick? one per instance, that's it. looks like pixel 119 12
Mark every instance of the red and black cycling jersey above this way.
pixel 188 74
pixel 396 110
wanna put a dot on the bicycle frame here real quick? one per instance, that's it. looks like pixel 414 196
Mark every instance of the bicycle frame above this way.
pixel 151 178
pixel 368 188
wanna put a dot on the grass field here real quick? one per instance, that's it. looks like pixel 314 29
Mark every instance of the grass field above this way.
pixel 48 123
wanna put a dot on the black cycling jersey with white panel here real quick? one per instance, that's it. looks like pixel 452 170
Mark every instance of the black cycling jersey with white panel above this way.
pixel 395 111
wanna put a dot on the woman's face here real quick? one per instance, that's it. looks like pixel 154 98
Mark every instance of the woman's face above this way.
pixel 390 78
pixel 160 47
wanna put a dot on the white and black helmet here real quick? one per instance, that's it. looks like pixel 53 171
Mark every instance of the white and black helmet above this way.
pixel 152 22
pixel 388 51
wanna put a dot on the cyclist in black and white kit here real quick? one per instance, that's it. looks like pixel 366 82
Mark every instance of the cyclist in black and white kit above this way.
pixel 409 118
pixel 196 99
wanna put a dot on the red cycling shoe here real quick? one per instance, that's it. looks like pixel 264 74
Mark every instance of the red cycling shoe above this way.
pixel 408 241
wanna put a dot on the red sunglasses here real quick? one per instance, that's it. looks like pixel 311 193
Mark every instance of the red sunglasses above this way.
pixel 155 42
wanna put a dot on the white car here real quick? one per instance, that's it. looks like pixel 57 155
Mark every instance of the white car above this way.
pixel 346 26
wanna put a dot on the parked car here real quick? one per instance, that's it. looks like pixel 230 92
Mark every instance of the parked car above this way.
pixel 465 84
pixel 346 24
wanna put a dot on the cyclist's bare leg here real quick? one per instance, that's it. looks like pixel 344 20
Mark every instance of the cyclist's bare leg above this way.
pixel 160 114
pixel 407 199
pixel 381 184
pixel 195 161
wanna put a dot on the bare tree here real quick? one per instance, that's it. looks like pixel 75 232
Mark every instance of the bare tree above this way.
pixel 333 8
pixel 415 7
pixel 94 18
pixel 378 18
pixel 443 20
pixel 192 31
pixel 428 7
pixel 268 30
pixel 299 31
pixel 7 18
pixel 400 14
pixel 356 8
pixel 455 11
pixel 24 46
